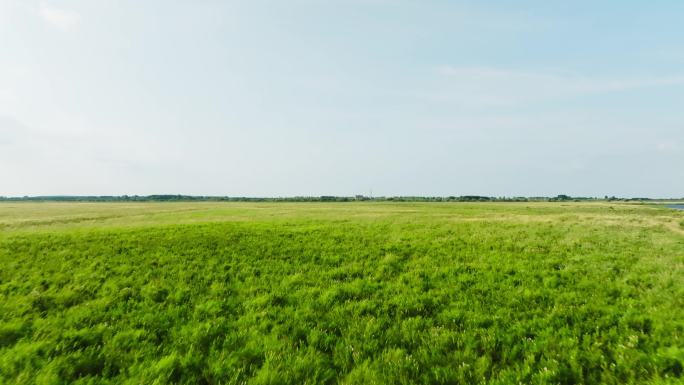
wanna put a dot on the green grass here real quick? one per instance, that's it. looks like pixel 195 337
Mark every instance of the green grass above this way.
pixel 341 293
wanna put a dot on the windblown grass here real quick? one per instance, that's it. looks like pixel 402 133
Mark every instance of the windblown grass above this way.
pixel 341 293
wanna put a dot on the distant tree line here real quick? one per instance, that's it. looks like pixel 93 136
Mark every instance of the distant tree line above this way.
pixel 324 198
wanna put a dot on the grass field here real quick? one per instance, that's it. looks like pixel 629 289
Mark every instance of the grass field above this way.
pixel 341 293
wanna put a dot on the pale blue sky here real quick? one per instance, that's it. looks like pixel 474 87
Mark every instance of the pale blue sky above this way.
pixel 314 97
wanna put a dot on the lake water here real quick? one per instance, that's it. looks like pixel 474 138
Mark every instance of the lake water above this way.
pixel 676 207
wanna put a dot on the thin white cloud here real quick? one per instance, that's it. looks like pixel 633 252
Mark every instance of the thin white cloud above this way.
pixel 496 86
pixel 669 146
pixel 63 19
pixel 38 161
pixel 10 130
pixel 7 96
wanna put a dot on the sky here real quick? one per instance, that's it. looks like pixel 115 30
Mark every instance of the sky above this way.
pixel 342 97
